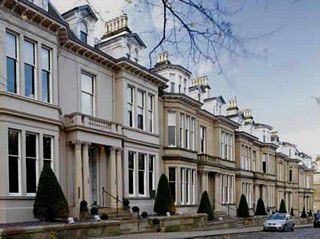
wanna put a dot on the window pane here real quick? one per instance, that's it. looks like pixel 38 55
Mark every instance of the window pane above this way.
pixel 11 45
pixel 141 165
pixel 83 37
pixel 47 162
pixel 45 59
pixel 172 135
pixel 29 80
pixel 11 75
pixel 13 175
pixel 141 161
pixel 31 147
pixel 86 102
pixel 13 142
pixel 45 86
pixel 87 83
pixel 141 182
pixel 47 147
pixel 31 175
pixel 140 121
pixel 29 56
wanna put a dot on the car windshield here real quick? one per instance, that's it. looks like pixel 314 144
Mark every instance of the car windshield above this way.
pixel 277 216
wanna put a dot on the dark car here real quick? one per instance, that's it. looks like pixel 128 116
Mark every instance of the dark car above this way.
pixel 316 222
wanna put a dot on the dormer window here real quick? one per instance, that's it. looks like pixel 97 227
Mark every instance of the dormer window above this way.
pixel 83 32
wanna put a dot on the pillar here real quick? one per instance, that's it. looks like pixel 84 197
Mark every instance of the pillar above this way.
pixel 217 193
pixel 78 177
pixel 86 176
pixel 119 174
pixel 113 177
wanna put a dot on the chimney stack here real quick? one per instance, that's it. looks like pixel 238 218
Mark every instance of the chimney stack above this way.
pixel 233 107
pixel 163 57
pixel 116 25
pixel 247 114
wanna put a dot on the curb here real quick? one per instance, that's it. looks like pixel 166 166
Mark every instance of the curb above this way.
pixel 297 227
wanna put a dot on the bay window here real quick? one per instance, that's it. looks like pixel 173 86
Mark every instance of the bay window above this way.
pixel 31 162
pixel 14 153
pixel 172 129
pixel 46 74
pixel 140 109
pixel 141 173
pixel 87 94
pixel 12 62
pixel 29 68
pixel 130 102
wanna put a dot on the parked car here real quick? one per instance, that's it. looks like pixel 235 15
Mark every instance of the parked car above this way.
pixel 279 222
pixel 316 222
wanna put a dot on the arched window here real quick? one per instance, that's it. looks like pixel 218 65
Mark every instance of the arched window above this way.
pixel 83 32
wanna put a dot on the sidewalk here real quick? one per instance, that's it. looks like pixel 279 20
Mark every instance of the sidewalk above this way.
pixel 193 234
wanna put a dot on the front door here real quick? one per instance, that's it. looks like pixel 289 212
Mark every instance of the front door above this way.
pixel 93 169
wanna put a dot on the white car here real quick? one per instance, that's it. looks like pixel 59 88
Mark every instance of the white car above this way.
pixel 279 222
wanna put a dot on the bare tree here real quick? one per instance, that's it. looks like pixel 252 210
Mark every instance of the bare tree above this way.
pixel 200 26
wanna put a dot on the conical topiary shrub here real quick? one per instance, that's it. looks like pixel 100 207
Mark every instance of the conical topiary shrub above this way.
pixel 243 209
pixel 164 201
pixel 282 208
pixel 50 201
pixel 304 214
pixel 261 209
pixel 205 206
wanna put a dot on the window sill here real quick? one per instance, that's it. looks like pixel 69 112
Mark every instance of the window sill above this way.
pixel 17 197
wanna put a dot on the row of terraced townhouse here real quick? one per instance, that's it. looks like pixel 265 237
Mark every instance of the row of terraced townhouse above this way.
pixel 109 127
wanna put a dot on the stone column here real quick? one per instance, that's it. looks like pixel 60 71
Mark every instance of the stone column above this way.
pixel 217 193
pixel 113 176
pixel 119 174
pixel 86 176
pixel 78 177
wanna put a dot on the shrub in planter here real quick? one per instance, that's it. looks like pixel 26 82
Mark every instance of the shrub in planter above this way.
pixel 282 208
pixel 144 214
pixel 83 206
pixel 50 202
pixel 291 213
pixel 164 201
pixel 94 210
pixel 243 209
pixel 205 206
pixel 261 209
pixel 125 204
pixel 104 216
pixel 135 209
pixel 304 214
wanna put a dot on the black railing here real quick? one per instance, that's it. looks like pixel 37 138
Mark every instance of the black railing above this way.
pixel 105 192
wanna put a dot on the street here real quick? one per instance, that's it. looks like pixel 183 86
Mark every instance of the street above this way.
pixel 307 233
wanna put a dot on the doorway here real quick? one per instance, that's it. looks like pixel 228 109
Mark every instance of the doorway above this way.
pixel 93 173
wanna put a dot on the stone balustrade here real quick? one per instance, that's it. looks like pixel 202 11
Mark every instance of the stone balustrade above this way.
pixel 90 122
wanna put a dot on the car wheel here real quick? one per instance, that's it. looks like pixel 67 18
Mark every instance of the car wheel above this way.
pixel 292 229
pixel 285 228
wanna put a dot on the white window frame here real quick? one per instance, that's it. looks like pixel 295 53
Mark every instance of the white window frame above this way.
pixel 131 103
pixel 172 114
pixel 88 93
pixel 19 164
pixel 150 113
pixel 34 65
pixel 16 58
pixel 44 47
pixel 36 158
pixel 141 108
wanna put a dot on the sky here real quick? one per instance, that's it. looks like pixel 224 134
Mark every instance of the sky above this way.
pixel 278 84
